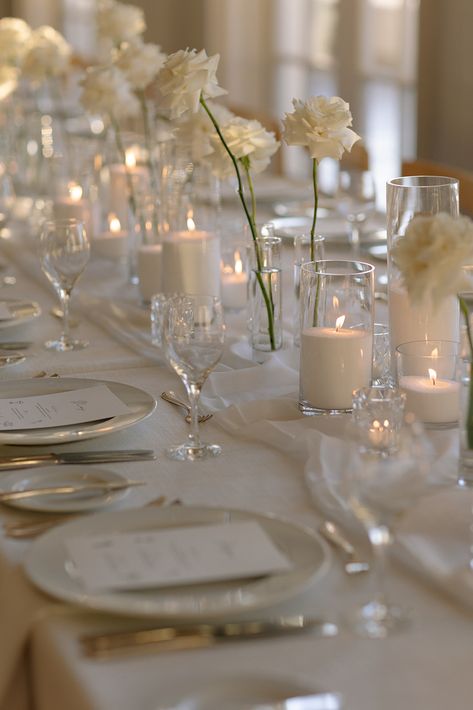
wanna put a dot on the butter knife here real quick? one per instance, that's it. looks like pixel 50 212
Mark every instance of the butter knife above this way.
pixel 71 457
pixel 179 638
pixel 104 487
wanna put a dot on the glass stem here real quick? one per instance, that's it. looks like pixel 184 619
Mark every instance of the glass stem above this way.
pixel 65 297
pixel 380 538
pixel 354 237
pixel 193 391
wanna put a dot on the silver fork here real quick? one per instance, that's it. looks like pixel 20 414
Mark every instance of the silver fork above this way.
pixel 172 399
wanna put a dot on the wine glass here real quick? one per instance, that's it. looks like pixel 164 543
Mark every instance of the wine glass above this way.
pixel 356 200
pixel 380 486
pixel 64 253
pixel 193 336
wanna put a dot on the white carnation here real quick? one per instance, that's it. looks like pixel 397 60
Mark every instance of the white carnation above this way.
pixel 431 256
pixel 119 22
pixel 14 35
pixel 107 92
pixel 185 77
pixel 196 129
pixel 321 124
pixel 140 62
pixel 8 80
pixel 246 139
pixel 47 54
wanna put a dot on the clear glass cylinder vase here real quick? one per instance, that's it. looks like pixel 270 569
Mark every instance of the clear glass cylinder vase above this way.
pixel 408 197
pixel 337 317
pixel 465 465
pixel 265 294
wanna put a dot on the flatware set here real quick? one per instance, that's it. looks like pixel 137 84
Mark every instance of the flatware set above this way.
pixel 75 457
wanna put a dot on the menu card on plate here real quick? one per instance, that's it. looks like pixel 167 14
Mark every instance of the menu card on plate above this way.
pixel 5 312
pixel 59 409
pixel 174 556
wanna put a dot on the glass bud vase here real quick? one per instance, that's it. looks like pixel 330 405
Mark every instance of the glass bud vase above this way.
pixel 408 197
pixel 265 294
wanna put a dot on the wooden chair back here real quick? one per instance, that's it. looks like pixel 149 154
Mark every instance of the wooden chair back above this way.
pixel 428 167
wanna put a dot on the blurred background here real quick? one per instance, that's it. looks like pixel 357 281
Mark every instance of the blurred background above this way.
pixel 403 65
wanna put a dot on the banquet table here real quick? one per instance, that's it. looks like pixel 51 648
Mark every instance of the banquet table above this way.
pixel 268 451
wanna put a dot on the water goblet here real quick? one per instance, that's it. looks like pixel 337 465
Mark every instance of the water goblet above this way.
pixel 379 489
pixel 64 253
pixel 193 335
pixel 356 200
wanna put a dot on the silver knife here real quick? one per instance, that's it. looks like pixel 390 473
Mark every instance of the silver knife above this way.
pixel 71 457
pixel 104 486
pixel 175 638
pixel 11 345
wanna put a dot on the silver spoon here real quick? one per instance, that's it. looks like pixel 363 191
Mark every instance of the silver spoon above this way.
pixel 172 399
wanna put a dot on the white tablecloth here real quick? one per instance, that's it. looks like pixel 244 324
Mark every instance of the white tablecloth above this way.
pixel 426 666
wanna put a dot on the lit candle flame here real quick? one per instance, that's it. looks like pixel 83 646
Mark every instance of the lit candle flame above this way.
pixel 190 221
pixel 434 353
pixel 130 159
pixel 238 263
pixel 432 375
pixel 339 323
pixel 114 223
pixel 75 191
pixel 335 302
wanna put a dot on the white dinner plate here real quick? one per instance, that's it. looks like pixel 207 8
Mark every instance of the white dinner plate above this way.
pixel 47 565
pixel 333 228
pixel 245 691
pixel 140 403
pixel 47 476
pixel 21 310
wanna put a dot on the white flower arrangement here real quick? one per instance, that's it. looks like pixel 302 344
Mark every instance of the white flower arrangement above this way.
pixel 322 125
pixel 118 22
pixel 8 80
pixel 107 92
pixel 14 35
pixel 195 130
pixel 249 142
pixel 47 55
pixel 139 62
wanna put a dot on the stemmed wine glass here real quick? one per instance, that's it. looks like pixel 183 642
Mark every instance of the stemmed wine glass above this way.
pixel 64 253
pixel 356 200
pixel 193 335
pixel 381 484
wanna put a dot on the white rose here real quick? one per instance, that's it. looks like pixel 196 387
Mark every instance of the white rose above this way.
pixel 140 62
pixel 14 34
pixel 107 92
pixel 196 129
pixel 321 124
pixel 185 77
pixel 245 139
pixel 431 256
pixel 8 80
pixel 119 22
pixel 47 54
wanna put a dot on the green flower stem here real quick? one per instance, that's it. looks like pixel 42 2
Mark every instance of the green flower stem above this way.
pixel 469 415
pixel 246 165
pixel 251 223
pixel 316 204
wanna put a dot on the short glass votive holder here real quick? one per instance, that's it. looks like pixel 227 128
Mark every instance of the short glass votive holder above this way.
pixel 337 301
pixel 305 250
pixel 378 415
pixel 427 372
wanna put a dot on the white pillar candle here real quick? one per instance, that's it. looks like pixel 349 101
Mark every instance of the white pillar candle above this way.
pixel 334 362
pixel 74 206
pixel 113 243
pixel 119 187
pixel 191 263
pixel 433 401
pixel 150 261
pixel 234 283
pixel 408 323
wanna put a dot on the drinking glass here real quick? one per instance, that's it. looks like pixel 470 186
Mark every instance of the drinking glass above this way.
pixel 380 487
pixel 356 200
pixel 64 253
pixel 193 335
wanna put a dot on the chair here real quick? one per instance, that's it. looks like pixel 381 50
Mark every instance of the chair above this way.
pixel 428 167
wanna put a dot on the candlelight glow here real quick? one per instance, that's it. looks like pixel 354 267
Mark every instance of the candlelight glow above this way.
pixel 339 322
pixel 432 375
pixel 434 353
pixel 75 191
pixel 114 223
pixel 130 159
pixel 335 302
pixel 190 224
pixel 238 263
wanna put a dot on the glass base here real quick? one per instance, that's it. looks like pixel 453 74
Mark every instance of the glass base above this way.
pixel 63 346
pixel 310 411
pixel 376 620
pixel 188 452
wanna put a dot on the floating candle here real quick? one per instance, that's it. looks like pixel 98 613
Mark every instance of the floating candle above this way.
pixel 432 400
pixel 113 243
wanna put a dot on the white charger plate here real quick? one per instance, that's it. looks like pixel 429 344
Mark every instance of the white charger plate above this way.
pixel 47 563
pixel 140 403
pixel 21 310
pixel 245 691
pixel 47 476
